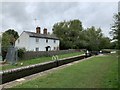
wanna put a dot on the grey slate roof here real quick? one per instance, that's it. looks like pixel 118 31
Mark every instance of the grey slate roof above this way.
pixel 37 35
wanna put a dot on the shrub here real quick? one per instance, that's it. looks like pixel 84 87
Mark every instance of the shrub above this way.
pixel 4 52
pixel 21 52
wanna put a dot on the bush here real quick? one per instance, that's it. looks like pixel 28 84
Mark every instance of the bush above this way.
pixel 4 52
pixel 21 53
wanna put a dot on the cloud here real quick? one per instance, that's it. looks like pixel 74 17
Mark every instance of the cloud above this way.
pixel 119 6
pixel 14 15
pixel 20 15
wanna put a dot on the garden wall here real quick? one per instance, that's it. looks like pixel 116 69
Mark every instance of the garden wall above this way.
pixel 32 54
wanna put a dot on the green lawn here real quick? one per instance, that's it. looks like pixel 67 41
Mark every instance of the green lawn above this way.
pixel 38 60
pixel 97 72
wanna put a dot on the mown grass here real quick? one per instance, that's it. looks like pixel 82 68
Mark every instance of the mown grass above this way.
pixel 38 60
pixel 97 72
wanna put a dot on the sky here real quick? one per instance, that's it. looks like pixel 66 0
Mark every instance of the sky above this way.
pixel 21 16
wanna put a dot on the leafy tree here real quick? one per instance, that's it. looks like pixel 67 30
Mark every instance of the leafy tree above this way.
pixel 8 38
pixel 95 39
pixel 72 36
pixel 116 29
pixel 92 38
pixel 0 39
pixel 105 43
pixel 114 45
pixel 68 32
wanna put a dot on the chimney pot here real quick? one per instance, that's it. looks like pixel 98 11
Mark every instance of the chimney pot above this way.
pixel 45 31
pixel 38 30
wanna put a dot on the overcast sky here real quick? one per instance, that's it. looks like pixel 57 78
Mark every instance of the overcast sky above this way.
pixel 20 15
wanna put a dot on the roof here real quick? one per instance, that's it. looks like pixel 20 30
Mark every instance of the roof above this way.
pixel 47 36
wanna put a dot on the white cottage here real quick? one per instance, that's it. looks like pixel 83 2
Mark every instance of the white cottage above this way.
pixel 32 41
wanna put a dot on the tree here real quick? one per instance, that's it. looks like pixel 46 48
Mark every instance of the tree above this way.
pixel 114 44
pixel 68 32
pixel 105 43
pixel 94 39
pixel 13 33
pixel 116 28
pixel 8 38
pixel 73 36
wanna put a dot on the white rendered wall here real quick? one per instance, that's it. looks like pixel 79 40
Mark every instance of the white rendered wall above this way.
pixel 23 41
pixel 42 44
pixel 30 44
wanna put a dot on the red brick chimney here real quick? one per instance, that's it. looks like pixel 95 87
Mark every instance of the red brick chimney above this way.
pixel 38 30
pixel 45 31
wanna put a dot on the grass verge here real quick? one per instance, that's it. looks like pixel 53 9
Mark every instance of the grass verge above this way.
pixel 97 72
pixel 38 60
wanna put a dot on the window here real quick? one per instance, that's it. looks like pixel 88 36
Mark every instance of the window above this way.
pixel 46 40
pixel 18 41
pixel 54 41
pixel 37 49
pixel 37 39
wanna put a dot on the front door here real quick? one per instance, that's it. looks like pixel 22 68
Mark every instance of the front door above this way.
pixel 46 48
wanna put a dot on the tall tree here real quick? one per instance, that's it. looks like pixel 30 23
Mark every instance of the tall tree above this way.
pixel 93 39
pixel 72 36
pixel 8 38
pixel 116 28
pixel 68 32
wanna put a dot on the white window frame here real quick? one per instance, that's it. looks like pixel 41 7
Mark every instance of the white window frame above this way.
pixel 37 40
